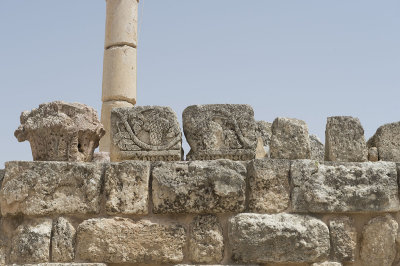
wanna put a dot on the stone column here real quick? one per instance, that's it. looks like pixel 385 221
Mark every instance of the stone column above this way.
pixel 119 66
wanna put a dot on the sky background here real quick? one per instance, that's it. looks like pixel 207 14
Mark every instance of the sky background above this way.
pixel 303 59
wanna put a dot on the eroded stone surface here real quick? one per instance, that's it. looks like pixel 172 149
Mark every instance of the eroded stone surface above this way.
pixel 101 157
pixel 344 140
pixel 262 238
pixel 126 187
pixel 220 131
pixel 60 131
pixel 44 188
pixel 317 148
pixel 60 264
pixel 63 241
pixel 343 238
pixel 387 141
pixel 149 133
pixel 373 154
pixel 269 190
pixel 199 187
pixel 264 133
pixel 120 240
pixel 344 187
pixel 290 139
pixel 378 247
pixel 327 263
pixel 206 241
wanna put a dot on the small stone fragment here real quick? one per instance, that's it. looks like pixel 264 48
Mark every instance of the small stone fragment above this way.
pixel 378 245
pixel 327 263
pixel 269 185
pixel 126 187
pixel 63 241
pixel 101 157
pixel 264 133
pixel 206 241
pixel 344 140
pixel 317 148
pixel 343 238
pixel 290 139
pixel 387 141
pixel 60 131
pixel 373 154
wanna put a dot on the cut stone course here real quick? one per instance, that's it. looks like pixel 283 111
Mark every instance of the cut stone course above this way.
pixel 317 148
pixel 121 240
pixel 344 187
pixel 262 238
pixel 47 188
pixel 63 241
pixel 343 238
pixel 220 131
pixel 199 187
pixel 387 141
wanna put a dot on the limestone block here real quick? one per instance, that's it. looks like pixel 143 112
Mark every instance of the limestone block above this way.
pixel 60 264
pixel 119 74
pixel 2 172
pixel 290 139
pixel 220 131
pixel 343 238
pixel 262 238
pixel 101 157
pixel 150 133
pixel 105 142
pixel 121 23
pixel 126 187
pixel 206 241
pixel 264 133
pixel 317 148
pixel 344 187
pixel 344 140
pixel 60 131
pixel 327 263
pixel 378 247
pixel 31 242
pixel 121 240
pixel 199 187
pixel 269 190
pixel 63 241
pixel 387 141
pixel 373 154
pixel 48 188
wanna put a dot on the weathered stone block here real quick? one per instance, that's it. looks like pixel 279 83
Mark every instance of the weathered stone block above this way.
pixel 126 187
pixel 31 242
pixel 199 187
pixel 220 131
pixel 48 188
pixel 206 241
pixel 378 245
pixel 269 190
pixel 60 264
pixel 150 133
pixel 101 157
pixel 317 148
pixel 327 263
pixel 121 240
pixel 344 187
pixel 344 140
pixel 262 238
pixel 343 238
pixel 373 154
pixel 387 141
pixel 264 133
pixel 290 139
pixel 60 131
pixel 63 241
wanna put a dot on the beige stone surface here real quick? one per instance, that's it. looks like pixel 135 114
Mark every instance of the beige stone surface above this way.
pixel 373 154
pixel 327 263
pixel 48 188
pixel 264 133
pixel 317 148
pixel 126 187
pixel 387 141
pixel 121 240
pixel 343 238
pixel 63 241
pixel 101 157
pixel 60 264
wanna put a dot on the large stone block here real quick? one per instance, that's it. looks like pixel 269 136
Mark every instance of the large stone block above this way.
pixel 317 148
pixel 220 131
pixel 262 238
pixel 121 240
pixel 387 141
pixel 63 241
pixel 199 187
pixel 49 188
pixel 344 140
pixel 126 187
pixel 290 139
pixel 60 131
pixel 343 238
pixel 145 133
pixel 269 190
pixel 344 187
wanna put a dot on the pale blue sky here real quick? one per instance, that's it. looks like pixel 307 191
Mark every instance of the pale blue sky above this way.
pixel 303 59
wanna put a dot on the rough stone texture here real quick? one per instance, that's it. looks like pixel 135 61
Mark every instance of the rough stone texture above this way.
pixel 31 242
pixel 290 139
pixel 63 241
pixel 220 131
pixel 206 241
pixel 261 238
pixel 60 264
pixel 199 187
pixel 317 148
pixel 120 240
pixel 327 263
pixel 269 190
pixel 264 133
pixel 101 157
pixel 343 238
pixel 47 188
pixel 126 187
pixel 373 154
pixel 2 173
pixel 145 133
pixel 344 187
pixel 378 247
pixel 60 131
pixel 344 140
pixel 387 141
